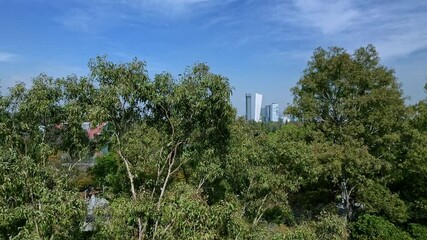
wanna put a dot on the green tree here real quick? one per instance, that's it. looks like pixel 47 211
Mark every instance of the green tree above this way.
pixel 411 168
pixel 349 97
pixel 37 200
pixel 357 105
pixel 163 131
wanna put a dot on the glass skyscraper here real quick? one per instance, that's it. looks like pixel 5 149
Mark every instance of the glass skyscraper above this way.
pixel 253 107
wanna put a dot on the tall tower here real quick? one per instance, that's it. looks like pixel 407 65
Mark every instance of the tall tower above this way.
pixel 253 107
pixel 267 113
pixel 248 107
pixel 274 112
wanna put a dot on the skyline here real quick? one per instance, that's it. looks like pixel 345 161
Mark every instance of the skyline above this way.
pixel 261 46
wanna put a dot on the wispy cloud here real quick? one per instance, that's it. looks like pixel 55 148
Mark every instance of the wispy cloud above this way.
pixel 97 14
pixel 396 28
pixel 326 15
pixel 171 8
pixel 7 56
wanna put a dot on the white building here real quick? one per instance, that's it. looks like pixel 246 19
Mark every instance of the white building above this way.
pixel 274 112
pixel 253 107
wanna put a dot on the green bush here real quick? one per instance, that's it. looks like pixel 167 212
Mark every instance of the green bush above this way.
pixel 418 231
pixel 302 232
pixel 374 227
pixel 331 227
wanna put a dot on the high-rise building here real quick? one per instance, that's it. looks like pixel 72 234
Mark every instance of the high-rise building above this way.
pixel 263 114
pixel 266 113
pixel 274 112
pixel 253 107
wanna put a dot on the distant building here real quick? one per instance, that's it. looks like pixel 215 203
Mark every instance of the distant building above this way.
pixel 270 113
pixel 253 107
pixel 263 116
pixel 287 118
pixel 266 113
pixel 274 112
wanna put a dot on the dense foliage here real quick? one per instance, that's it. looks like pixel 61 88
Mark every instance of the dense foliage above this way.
pixel 174 161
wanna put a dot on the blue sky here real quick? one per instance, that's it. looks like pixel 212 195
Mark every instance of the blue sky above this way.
pixel 260 45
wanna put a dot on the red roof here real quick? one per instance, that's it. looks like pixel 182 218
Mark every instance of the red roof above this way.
pixel 93 132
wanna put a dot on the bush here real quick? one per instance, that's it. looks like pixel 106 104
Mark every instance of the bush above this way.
pixel 418 231
pixel 331 226
pixel 302 232
pixel 373 227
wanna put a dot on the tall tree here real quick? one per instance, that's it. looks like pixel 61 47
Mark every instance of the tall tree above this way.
pixel 349 97
pixel 37 200
pixel 357 105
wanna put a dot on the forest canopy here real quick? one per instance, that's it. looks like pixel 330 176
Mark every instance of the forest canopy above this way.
pixel 172 160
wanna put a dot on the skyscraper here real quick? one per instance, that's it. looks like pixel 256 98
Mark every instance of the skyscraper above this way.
pixel 253 107
pixel 266 113
pixel 274 112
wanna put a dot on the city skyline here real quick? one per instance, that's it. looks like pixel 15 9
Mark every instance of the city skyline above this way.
pixel 256 110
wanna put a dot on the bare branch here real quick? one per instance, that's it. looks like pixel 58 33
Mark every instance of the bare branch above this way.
pixel 132 185
pixel 202 181
pixel 260 211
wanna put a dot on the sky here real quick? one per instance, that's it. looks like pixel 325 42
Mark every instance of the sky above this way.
pixel 261 46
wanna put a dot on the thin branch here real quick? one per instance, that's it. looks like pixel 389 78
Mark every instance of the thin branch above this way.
pixel 132 186
pixel 170 121
pixel 73 165
pixel 260 212
pixel 202 181
pixel 159 173
pixel 171 162
pixel 351 190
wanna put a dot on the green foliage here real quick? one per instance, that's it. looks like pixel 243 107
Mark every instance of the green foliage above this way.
pixel 379 200
pixel 121 92
pixel 122 219
pixel 109 173
pixel 302 232
pixel 418 231
pixel 374 227
pixel 327 226
pixel 182 166
pixel 331 226
pixel 185 215
pixel 411 172
pixel 348 96
pixel 35 200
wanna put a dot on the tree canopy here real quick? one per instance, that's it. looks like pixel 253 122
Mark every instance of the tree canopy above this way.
pixel 173 160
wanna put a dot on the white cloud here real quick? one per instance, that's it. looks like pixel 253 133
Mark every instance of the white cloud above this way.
pixel 7 57
pixel 94 15
pixel 168 7
pixel 396 28
pixel 330 16
pixel 79 20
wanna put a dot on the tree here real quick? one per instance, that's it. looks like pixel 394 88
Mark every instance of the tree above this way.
pixel 36 199
pixel 256 178
pixel 163 130
pixel 357 105
pixel 411 171
pixel 349 97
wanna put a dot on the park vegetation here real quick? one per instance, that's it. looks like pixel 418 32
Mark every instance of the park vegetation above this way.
pixel 182 165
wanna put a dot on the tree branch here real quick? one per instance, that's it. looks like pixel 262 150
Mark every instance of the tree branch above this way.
pixel 260 212
pixel 132 186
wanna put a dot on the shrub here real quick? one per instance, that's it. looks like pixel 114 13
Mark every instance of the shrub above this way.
pixel 374 227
